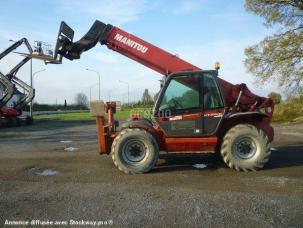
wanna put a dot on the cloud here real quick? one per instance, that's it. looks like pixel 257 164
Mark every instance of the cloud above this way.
pixel 112 11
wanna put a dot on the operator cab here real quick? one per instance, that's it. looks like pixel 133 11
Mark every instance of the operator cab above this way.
pixel 190 104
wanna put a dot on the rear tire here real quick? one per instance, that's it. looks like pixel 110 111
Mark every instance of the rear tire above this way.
pixel 134 151
pixel 245 148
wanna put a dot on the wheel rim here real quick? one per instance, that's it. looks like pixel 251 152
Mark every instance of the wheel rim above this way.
pixel 245 148
pixel 134 151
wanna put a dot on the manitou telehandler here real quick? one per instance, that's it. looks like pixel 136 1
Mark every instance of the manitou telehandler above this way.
pixel 196 111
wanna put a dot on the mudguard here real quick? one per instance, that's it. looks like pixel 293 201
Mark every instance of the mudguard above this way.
pixel 258 119
pixel 142 123
pixel 242 114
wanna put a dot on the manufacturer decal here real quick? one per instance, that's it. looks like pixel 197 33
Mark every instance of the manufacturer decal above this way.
pixel 131 43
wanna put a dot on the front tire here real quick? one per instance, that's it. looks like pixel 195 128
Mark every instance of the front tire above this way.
pixel 134 151
pixel 245 148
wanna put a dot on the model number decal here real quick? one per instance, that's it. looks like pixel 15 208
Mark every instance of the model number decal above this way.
pixel 176 118
pixel 218 114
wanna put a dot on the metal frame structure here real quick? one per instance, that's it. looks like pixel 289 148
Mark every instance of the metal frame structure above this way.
pixel 11 83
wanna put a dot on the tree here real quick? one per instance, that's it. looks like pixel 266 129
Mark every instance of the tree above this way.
pixel 65 104
pixel 146 98
pixel 278 57
pixel 276 97
pixel 81 100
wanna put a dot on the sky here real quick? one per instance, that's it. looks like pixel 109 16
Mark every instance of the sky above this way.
pixel 199 31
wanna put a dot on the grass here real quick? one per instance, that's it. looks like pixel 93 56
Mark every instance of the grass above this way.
pixel 66 116
pixel 120 115
pixel 289 111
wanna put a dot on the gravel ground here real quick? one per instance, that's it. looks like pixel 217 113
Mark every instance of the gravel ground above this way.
pixel 87 186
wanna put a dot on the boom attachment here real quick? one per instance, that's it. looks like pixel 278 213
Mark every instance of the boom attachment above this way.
pixel 65 47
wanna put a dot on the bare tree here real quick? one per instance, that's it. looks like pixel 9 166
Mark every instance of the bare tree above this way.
pixel 146 98
pixel 81 100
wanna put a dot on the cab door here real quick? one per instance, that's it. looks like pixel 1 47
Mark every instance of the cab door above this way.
pixel 213 103
pixel 179 107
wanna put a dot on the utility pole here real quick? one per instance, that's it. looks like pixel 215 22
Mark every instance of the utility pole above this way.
pixel 90 92
pixel 32 85
pixel 34 74
pixel 109 94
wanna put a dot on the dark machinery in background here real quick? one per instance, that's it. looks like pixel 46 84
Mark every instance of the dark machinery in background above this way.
pixel 11 85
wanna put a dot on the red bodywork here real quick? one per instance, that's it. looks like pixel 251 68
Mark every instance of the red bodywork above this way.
pixel 10 112
pixel 181 144
pixel 11 117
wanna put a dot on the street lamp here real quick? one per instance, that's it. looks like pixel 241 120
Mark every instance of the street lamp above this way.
pixel 31 107
pixel 34 74
pixel 99 79
pixel 127 90
pixel 109 93
pixel 90 92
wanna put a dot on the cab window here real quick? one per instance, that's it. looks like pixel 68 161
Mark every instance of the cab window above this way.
pixel 182 93
pixel 212 96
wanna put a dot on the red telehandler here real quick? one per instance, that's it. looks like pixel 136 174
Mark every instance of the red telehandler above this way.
pixel 196 111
